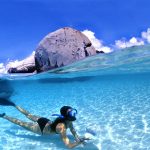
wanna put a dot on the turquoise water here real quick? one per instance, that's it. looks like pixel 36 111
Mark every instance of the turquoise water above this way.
pixel 111 93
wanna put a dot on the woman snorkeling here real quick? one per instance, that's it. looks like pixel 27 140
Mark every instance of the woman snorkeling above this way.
pixel 44 126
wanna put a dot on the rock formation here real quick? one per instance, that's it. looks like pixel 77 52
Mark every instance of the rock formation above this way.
pixel 25 66
pixel 98 51
pixel 57 49
pixel 28 68
pixel 61 48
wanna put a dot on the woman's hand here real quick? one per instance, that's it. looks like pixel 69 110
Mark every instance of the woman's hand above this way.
pixel 83 139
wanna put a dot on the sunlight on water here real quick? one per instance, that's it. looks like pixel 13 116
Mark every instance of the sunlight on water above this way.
pixel 112 98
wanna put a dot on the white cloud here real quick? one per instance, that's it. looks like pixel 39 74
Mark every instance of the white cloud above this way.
pixel 98 44
pixel 132 42
pixel 2 68
pixel 1 65
pixel 106 49
pixel 146 35
pixel 145 38
pixel 95 42
pixel 120 44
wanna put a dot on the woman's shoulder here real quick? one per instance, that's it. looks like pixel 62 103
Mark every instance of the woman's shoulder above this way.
pixel 61 127
pixel 58 122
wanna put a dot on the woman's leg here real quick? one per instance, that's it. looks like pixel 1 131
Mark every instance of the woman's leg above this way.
pixel 27 114
pixel 34 127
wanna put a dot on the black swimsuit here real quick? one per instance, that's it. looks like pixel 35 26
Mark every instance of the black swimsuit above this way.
pixel 42 123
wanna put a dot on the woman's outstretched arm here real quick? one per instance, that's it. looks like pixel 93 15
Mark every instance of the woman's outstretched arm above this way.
pixel 73 131
pixel 62 131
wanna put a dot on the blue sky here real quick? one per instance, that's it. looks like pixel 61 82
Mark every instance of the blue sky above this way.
pixel 23 23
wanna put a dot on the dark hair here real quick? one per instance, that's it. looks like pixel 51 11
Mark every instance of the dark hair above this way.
pixel 64 110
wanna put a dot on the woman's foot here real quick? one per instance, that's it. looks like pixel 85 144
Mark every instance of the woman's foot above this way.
pixel 2 115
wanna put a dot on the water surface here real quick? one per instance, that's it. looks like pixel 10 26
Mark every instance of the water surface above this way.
pixel 110 91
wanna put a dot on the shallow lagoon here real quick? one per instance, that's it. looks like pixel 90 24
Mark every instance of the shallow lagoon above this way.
pixel 113 106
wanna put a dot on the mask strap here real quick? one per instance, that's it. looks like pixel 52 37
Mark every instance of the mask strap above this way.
pixel 76 111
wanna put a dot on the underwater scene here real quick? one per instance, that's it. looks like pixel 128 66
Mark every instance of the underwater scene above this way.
pixel 110 91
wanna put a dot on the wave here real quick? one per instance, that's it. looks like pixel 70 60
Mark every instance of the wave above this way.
pixel 135 59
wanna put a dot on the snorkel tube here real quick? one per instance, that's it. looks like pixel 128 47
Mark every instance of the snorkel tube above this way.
pixel 58 115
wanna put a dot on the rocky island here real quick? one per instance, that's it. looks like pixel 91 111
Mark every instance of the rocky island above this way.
pixel 57 49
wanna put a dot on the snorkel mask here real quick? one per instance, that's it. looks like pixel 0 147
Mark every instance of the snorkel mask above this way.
pixel 67 113
pixel 71 114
